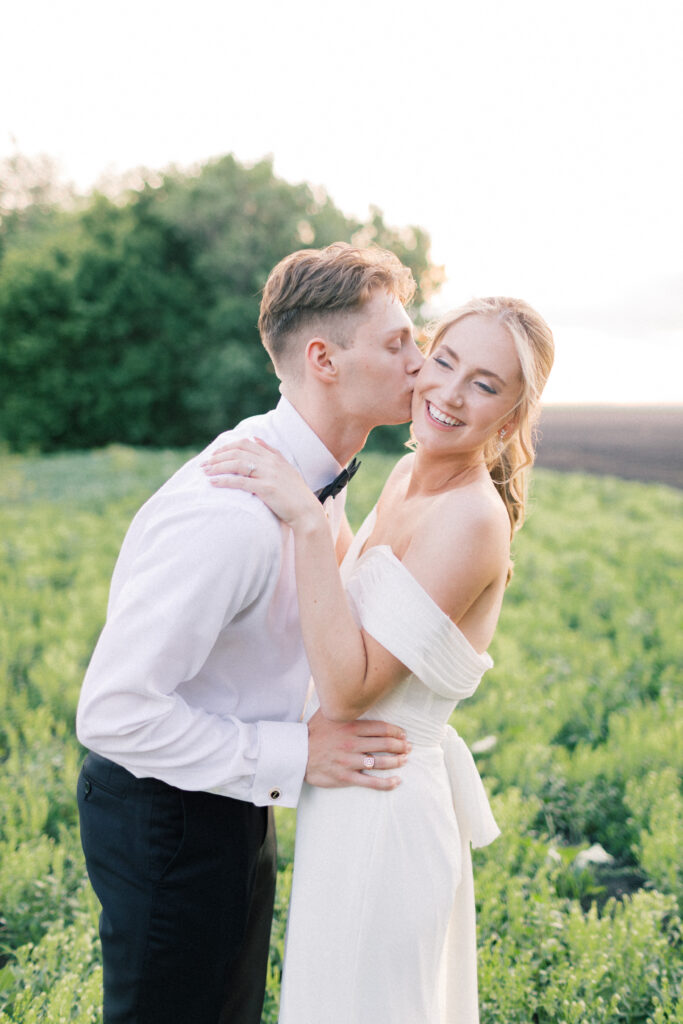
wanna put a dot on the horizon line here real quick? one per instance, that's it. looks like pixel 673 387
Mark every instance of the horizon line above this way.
pixel 612 403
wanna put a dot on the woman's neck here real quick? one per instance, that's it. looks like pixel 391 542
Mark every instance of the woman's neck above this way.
pixel 433 473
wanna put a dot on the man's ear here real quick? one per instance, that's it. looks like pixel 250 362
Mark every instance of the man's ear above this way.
pixel 319 357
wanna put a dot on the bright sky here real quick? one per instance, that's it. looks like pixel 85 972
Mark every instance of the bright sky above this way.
pixel 540 144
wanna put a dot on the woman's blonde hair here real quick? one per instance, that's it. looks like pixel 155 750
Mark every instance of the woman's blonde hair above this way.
pixel 509 459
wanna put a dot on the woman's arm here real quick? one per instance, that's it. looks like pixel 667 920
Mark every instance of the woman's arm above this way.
pixel 335 646
pixel 344 539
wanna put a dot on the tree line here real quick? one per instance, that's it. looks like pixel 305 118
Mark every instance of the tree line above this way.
pixel 130 317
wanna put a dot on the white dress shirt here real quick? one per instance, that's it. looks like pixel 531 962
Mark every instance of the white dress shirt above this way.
pixel 199 677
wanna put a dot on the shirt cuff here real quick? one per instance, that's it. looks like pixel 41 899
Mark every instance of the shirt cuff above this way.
pixel 281 764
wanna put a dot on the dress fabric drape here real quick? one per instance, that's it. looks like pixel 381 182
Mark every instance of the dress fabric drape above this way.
pixel 382 922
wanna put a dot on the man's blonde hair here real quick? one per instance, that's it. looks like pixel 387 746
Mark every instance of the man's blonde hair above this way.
pixel 319 289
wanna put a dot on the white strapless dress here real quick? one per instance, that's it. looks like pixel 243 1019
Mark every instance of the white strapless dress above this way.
pixel 382 922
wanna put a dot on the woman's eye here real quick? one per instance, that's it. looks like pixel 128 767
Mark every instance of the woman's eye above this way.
pixel 441 362
pixel 486 388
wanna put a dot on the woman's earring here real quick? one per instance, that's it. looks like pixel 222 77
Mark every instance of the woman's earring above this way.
pixel 501 439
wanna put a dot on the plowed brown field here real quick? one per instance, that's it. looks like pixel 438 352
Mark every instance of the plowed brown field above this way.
pixel 632 442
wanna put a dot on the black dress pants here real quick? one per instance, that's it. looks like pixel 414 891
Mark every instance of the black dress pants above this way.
pixel 187 883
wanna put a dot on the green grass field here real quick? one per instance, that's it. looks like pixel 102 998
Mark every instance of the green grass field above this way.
pixel 581 714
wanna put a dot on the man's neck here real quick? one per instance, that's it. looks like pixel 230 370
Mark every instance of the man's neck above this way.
pixel 341 438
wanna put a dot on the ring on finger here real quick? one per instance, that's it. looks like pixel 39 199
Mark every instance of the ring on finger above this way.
pixel 368 761
pixel 250 468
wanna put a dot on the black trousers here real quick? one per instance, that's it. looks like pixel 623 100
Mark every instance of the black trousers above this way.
pixel 187 884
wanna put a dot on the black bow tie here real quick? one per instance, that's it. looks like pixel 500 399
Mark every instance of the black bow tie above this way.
pixel 339 482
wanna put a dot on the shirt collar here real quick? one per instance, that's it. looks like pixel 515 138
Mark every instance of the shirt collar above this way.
pixel 314 461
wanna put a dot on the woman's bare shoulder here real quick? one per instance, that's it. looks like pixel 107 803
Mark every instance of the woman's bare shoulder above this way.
pixel 461 548
pixel 479 509
pixel 469 522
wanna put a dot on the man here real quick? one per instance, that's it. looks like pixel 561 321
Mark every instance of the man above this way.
pixel 192 703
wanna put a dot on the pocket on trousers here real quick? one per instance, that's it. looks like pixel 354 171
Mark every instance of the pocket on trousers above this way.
pixel 102 774
pixel 105 816
pixel 166 830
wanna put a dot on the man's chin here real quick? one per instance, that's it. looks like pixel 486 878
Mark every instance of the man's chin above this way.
pixel 399 417
pixel 393 417
pixel 392 422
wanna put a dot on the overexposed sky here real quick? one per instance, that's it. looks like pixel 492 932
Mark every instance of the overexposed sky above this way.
pixel 540 144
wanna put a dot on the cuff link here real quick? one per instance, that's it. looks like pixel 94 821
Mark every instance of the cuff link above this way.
pixel 275 794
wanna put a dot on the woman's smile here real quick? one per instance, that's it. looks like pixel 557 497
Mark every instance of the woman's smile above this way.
pixel 441 418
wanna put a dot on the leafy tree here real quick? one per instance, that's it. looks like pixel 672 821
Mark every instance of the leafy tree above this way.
pixel 99 333
pixel 133 318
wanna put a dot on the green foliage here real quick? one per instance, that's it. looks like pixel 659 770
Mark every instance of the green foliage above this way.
pixel 543 958
pixel 657 807
pixel 57 979
pixel 134 319
pixel 584 702
pixel 589 648
pixel 100 329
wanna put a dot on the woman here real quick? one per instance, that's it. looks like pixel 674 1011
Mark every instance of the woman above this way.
pixel 381 922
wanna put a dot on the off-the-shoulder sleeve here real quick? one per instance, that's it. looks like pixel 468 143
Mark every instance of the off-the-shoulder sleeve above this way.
pixel 396 610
